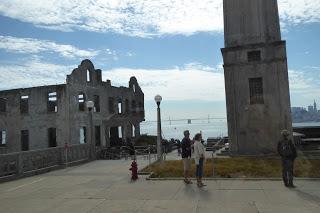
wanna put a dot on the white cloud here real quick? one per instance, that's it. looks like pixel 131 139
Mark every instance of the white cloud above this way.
pixel 304 86
pixel 141 17
pixel 188 83
pixel 299 11
pixel 32 46
pixel 32 73
pixel 191 82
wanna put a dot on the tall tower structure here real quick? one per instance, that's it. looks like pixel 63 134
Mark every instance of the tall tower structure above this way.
pixel 256 76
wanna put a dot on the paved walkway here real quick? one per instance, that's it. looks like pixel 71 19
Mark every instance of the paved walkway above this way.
pixel 104 186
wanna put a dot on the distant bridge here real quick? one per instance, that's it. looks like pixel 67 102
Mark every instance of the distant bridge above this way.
pixel 188 120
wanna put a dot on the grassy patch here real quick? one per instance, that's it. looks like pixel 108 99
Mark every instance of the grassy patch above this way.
pixel 238 167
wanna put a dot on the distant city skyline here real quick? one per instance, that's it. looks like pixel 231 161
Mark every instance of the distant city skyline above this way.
pixel 172 47
pixel 312 107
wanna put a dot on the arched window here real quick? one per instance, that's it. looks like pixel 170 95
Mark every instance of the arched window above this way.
pixel 88 76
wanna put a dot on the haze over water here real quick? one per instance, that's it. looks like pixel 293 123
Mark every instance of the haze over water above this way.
pixel 214 128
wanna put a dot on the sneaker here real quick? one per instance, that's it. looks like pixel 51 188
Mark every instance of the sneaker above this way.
pixel 186 181
pixel 200 185
pixel 291 186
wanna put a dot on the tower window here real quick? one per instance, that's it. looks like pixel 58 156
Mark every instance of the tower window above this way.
pixel 254 56
pixel 256 91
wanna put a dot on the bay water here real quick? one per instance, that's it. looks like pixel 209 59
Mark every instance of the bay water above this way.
pixel 208 128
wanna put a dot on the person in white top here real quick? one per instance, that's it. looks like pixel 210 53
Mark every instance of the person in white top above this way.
pixel 199 155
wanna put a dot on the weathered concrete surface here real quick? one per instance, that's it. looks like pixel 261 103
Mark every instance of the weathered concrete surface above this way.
pixel 104 186
pixel 251 22
pixel 254 51
pixel 69 118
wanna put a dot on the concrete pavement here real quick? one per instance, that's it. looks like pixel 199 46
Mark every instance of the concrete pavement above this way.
pixel 105 186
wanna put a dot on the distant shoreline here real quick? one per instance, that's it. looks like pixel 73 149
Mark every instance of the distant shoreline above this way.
pixel 304 123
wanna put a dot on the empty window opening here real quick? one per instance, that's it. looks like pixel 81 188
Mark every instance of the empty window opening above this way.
pixel 88 76
pixel 256 91
pixel 3 138
pixel 3 105
pixel 96 100
pixel 120 107
pixel 133 131
pixel 120 131
pixel 134 87
pixel 111 105
pixel 133 106
pixel 24 140
pixel 81 101
pixel 114 136
pixel 83 135
pixel 24 104
pixel 52 137
pixel 52 102
pixel 97 135
pixel 254 56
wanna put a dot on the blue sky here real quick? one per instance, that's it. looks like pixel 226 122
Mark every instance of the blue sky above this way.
pixel 172 47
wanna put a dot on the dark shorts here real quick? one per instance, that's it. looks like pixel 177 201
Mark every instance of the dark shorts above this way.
pixel 199 169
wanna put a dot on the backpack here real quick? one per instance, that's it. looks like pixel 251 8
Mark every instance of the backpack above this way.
pixel 286 150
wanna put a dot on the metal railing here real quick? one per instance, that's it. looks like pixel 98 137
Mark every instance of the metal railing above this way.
pixel 29 162
pixel 123 152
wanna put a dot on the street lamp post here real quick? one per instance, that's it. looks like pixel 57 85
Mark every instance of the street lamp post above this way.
pixel 158 100
pixel 90 105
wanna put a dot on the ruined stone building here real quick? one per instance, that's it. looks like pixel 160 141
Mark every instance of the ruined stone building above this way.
pixel 50 116
pixel 256 76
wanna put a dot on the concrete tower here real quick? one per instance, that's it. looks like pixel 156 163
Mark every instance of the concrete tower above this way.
pixel 256 76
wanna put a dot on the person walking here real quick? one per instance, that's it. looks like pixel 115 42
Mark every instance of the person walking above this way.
pixel 186 155
pixel 288 153
pixel 199 156
pixel 131 149
pixel 179 147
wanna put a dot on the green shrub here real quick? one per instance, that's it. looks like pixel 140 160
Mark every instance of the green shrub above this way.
pixel 237 167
